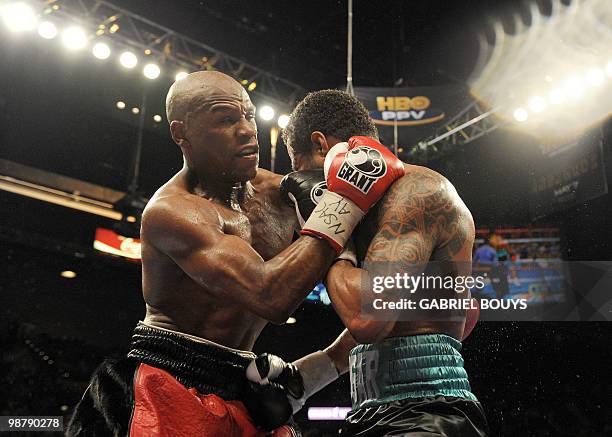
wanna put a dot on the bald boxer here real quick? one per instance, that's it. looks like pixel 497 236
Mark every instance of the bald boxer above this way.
pixel 407 377
pixel 217 265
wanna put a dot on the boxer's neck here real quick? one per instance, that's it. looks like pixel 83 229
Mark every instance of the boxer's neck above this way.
pixel 229 193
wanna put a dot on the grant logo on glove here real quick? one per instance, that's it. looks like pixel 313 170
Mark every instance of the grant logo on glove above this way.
pixel 362 167
pixel 357 173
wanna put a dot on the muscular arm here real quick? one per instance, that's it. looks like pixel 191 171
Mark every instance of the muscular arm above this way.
pixel 421 213
pixel 227 266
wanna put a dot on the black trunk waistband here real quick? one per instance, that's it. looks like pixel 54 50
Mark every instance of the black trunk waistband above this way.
pixel 205 367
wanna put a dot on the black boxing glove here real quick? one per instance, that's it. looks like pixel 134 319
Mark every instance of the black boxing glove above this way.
pixel 273 383
pixel 303 190
pixel 298 380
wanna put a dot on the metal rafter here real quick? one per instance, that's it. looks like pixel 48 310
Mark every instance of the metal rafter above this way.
pixel 471 123
pixel 170 46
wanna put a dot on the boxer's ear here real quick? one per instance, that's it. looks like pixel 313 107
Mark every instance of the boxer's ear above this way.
pixel 319 144
pixel 177 131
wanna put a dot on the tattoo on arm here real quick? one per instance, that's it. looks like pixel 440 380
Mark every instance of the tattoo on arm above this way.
pixel 419 215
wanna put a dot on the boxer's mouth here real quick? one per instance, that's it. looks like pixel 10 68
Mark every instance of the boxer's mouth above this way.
pixel 248 152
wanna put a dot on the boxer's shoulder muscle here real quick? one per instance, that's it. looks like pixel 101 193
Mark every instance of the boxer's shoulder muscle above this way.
pixel 420 215
pixel 172 215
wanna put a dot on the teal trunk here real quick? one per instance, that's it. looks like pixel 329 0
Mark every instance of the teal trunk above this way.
pixel 413 367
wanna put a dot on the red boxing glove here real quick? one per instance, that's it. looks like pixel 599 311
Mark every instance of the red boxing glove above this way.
pixel 358 174
pixel 361 170
pixel 471 317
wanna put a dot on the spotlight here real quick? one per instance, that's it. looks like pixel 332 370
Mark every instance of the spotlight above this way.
pixel 291 321
pixel 151 71
pixel 573 87
pixel 157 118
pixel 595 77
pixel 135 110
pixel 520 114
pixel 120 105
pixel 68 274
pixel 537 104
pixel 47 30
pixel 181 75
pixel 74 38
pixel 101 50
pixel 556 96
pixel 128 59
pixel 266 112
pixel 609 69
pixel 18 17
pixel 252 86
pixel 283 121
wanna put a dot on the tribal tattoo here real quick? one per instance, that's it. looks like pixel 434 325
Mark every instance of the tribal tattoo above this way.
pixel 420 218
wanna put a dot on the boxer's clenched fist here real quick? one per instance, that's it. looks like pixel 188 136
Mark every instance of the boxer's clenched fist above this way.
pixel 303 189
pixel 270 369
pixel 357 175
pixel 361 170
pixel 275 386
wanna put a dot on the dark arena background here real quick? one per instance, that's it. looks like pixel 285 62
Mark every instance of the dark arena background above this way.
pixel 514 110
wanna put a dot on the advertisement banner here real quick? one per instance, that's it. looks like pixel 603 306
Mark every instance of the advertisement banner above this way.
pixel 568 174
pixel 417 111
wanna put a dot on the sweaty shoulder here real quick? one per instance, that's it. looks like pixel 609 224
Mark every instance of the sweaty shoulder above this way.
pixel 267 182
pixel 176 211
pixel 426 202
pixel 266 177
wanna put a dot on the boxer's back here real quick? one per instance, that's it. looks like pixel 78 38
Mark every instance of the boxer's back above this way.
pixel 174 300
pixel 421 219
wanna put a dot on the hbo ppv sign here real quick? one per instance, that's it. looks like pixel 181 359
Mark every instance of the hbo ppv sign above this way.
pixel 402 108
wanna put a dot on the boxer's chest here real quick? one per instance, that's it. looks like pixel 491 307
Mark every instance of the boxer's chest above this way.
pixel 266 225
pixel 272 224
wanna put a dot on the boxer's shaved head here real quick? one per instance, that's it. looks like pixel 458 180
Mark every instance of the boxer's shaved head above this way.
pixel 212 119
pixel 197 89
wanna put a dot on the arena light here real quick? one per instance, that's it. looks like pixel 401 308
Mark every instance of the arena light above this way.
pixel 181 75
pixel 47 30
pixel 157 118
pixel 252 86
pixel 74 38
pixel 151 71
pixel 266 112
pixel 573 87
pixel 537 104
pixel 101 50
pixel 556 96
pixel 595 77
pixel 128 60
pixel 283 121
pixel 521 114
pixel 291 321
pixel 546 52
pixel 120 105
pixel 68 274
pixel 135 110
pixel 18 17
